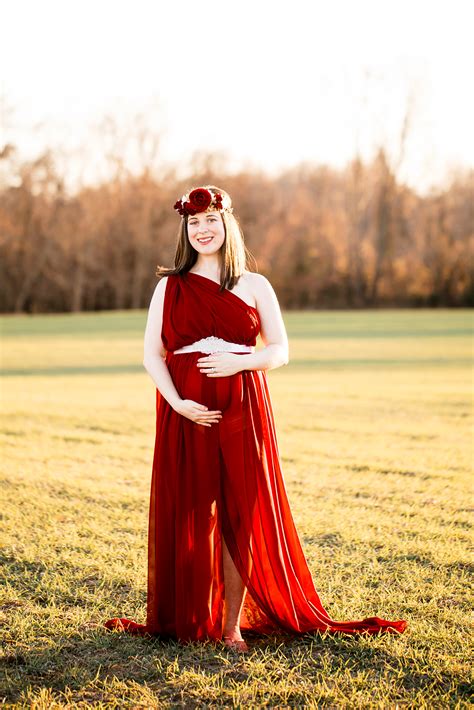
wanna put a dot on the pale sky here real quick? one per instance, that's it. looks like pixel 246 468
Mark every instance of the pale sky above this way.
pixel 270 83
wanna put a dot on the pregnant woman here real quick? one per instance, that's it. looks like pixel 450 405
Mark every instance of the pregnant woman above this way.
pixel 224 555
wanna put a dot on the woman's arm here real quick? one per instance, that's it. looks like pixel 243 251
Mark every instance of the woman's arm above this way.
pixel 155 364
pixel 273 332
pixel 154 351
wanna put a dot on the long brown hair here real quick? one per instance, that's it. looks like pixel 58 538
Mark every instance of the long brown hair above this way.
pixel 234 253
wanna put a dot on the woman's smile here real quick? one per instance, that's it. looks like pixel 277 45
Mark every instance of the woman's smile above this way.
pixel 206 229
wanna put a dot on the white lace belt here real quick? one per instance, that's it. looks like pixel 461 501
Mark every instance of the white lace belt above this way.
pixel 212 344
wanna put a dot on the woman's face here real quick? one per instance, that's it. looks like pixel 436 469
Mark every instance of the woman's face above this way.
pixel 206 232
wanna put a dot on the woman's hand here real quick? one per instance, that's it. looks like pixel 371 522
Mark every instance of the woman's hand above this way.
pixel 220 364
pixel 198 413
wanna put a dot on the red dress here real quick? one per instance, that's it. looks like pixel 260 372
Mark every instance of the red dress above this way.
pixel 223 480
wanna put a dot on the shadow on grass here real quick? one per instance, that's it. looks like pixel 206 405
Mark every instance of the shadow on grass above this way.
pixel 89 661
pixel 79 370
pixel 86 663
pixel 295 365
pixel 94 667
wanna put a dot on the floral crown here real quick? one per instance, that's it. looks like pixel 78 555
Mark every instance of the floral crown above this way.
pixel 202 200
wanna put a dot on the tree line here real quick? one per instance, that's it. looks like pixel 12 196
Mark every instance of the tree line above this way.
pixel 325 238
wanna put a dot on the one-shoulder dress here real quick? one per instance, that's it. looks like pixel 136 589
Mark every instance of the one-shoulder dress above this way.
pixel 223 481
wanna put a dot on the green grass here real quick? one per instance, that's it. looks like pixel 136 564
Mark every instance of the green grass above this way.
pixel 374 418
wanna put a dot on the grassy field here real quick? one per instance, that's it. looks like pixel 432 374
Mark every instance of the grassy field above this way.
pixel 373 415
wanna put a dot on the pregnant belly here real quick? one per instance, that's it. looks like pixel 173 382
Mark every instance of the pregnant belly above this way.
pixel 214 392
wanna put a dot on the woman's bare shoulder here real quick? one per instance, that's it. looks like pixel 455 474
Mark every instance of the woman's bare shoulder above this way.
pixel 161 285
pixel 252 277
pixel 158 293
pixel 260 288
pixel 256 282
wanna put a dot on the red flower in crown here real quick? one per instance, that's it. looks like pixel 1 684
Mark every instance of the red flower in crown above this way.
pixel 199 200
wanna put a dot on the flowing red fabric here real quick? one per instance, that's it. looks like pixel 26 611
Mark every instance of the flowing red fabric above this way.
pixel 223 481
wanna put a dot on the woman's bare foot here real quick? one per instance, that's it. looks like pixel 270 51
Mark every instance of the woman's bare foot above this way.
pixel 236 645
pixel 233 640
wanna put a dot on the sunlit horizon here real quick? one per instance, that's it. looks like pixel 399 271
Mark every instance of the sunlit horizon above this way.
pixel 268 87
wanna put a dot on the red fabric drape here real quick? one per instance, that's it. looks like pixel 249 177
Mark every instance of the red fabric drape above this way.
pixel 224 480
